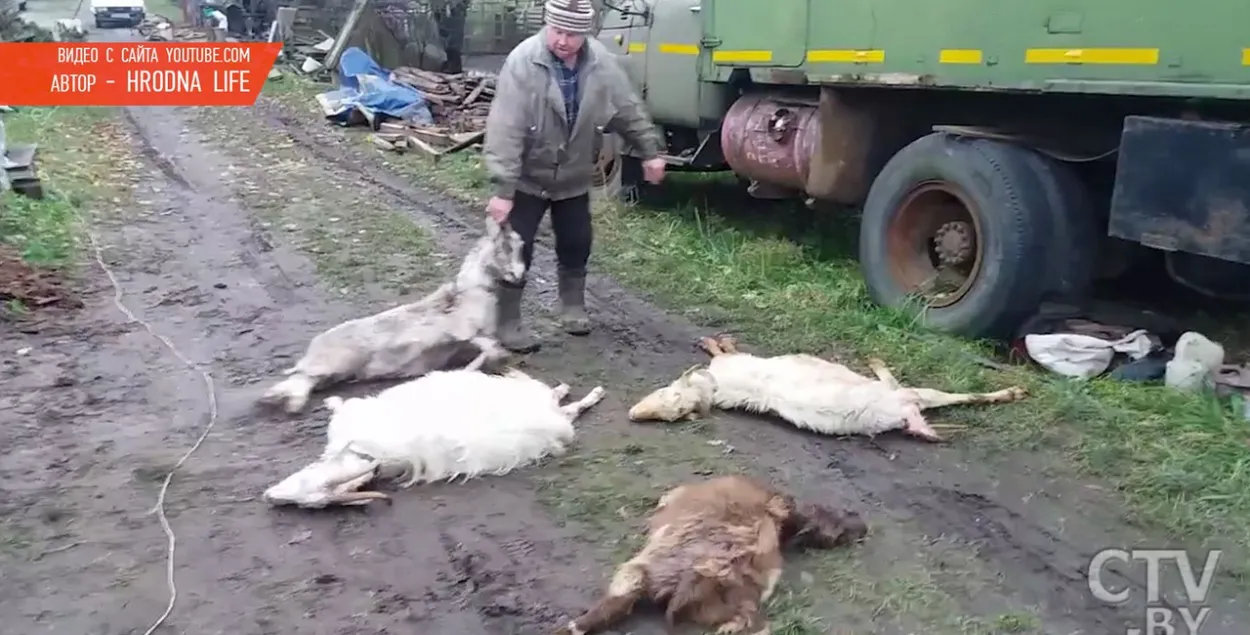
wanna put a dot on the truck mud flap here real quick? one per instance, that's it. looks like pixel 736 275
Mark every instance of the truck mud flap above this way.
pixel 1184 186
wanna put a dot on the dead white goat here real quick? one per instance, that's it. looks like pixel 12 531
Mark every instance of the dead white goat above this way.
pixel 441 426
pixel 413 339
pixel 809 392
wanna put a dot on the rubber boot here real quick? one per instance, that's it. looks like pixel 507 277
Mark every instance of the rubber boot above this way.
pixel 511 331
pixel 573 316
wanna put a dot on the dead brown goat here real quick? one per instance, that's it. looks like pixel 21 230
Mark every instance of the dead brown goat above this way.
pixel 713 555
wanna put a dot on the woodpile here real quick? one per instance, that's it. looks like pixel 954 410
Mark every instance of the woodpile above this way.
pixel 434 141
pixel 459 102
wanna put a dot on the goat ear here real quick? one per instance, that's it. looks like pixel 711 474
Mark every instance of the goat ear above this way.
pixel 690 371
pixel 333 403
pixel 492 227
pixel 781 506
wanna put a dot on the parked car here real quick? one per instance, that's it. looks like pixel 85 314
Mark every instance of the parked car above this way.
pixel 128 13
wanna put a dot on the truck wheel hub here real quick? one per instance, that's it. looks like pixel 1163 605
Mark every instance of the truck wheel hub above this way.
pixel 953 243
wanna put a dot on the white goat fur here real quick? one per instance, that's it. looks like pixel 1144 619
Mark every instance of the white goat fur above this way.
pixel 446 424
pixel 413 339
pixel 809 392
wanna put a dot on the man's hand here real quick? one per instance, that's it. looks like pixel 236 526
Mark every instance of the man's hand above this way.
pixel 499 208
pixel 653 170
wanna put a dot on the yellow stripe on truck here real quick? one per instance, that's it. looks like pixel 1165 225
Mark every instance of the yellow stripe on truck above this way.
pixel 637 47
pixel 1245 57
pixel 846 56
pixel 959 56
pixel 758 57
pixel 1091 56
pixel 679 49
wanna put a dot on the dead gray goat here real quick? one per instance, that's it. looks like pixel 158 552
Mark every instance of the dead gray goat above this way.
pixel 411 340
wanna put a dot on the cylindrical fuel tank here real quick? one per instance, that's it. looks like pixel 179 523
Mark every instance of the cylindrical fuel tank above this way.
pixel 770 141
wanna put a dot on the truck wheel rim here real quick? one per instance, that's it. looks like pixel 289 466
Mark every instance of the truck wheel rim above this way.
pixel 933 243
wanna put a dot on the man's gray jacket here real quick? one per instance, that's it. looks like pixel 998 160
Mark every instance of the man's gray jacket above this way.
pixel 528 146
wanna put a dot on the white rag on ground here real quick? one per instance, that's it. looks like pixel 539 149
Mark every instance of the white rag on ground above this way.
pixel 1195 362
pixel 1084 356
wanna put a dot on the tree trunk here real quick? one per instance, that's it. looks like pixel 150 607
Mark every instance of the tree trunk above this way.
pixel 451 23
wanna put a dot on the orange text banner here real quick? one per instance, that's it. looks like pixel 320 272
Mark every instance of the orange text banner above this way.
pixel 134 73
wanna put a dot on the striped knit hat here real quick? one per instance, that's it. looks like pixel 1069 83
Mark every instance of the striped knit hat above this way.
pixel 574 16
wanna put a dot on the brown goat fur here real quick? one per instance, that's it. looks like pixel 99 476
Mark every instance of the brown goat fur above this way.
pixel 713 555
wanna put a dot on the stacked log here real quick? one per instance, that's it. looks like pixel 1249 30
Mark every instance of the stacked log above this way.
pixel 459 102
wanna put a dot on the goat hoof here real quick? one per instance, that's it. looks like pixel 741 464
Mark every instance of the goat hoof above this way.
pixel 931 437
pixel 568 629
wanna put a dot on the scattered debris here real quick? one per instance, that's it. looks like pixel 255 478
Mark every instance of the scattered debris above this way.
pixel 409 108
pixel 1195 363
pixel 310 66
pixel 23 284
pixel 1084 356
pixel 283 26
pixel 367 95
pixel 366 28
pixel 1065 342
pixel 432 140
pixel 158 28
pixel 14 29
pixel 19 169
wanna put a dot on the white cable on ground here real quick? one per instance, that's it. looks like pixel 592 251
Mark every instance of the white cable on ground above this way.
pixel 210 388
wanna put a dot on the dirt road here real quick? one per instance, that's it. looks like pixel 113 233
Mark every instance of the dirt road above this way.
pixel 248 231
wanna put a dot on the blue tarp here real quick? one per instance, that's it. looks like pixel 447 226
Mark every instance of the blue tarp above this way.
pixel 366 88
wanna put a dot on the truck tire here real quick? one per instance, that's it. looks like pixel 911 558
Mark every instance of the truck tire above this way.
pixel 606 184
pixel 970 214
pixel 1074 258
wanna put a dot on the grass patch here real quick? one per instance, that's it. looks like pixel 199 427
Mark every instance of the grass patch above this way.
pixel 44 231
pixel 356 243
pixel 75 161
pixel 294 92
pixel 350 242
pixel 1181 462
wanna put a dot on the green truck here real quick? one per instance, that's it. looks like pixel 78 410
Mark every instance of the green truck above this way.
pixel 1002 155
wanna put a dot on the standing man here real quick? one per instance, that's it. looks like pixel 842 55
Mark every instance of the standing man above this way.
pixel 557 95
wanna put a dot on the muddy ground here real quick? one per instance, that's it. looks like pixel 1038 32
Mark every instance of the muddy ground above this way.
pixel 250 230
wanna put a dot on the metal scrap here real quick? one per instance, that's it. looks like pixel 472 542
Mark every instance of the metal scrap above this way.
pixel 17 165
